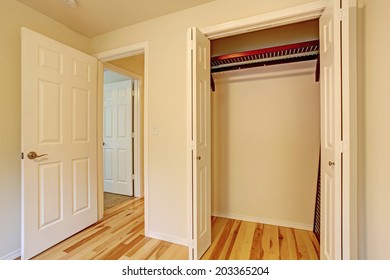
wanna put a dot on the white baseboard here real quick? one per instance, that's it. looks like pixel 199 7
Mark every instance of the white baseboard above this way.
pixel 264 221
pixel 11 256
pixel 168 238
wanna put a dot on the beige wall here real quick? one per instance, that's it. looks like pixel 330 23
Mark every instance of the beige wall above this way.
pixel 265 144
pixel 13 15
pixel 374 128
pixel 167 37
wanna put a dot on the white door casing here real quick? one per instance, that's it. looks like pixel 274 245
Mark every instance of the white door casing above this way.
pixel 59 190
pixel 118 138
pixel 331 142
pixel 201 155
pixel 349 135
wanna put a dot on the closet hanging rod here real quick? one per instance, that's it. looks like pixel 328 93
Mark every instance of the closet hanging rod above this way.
pixel 281 57
pixel 267 56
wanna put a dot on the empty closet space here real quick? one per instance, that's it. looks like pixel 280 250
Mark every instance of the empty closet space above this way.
pixel 266 131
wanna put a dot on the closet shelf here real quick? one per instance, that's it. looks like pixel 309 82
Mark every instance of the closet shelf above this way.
pixel 268 56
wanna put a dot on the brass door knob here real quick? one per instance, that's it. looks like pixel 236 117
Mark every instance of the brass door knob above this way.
pixel 198 157
pixel 331 163
pixel 33 155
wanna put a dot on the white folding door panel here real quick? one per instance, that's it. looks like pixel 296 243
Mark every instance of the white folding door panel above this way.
pixel 202 143
pixel 59 171
pixel 118 138
pixel 331 141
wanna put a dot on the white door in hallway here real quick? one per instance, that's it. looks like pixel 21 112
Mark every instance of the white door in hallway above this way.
pixel 118 138
pixel 59 169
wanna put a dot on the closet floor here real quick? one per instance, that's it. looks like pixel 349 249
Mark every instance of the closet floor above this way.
pixel 240 240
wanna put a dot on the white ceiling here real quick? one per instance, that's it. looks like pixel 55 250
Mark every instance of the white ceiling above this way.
pixel 95 17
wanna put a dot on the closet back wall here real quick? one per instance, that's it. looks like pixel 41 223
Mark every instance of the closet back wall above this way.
pixel 265 144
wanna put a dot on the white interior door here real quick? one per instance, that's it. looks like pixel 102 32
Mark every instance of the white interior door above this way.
pixel 59 187
pixel 331 141
pixel 118 138
pixel 202 143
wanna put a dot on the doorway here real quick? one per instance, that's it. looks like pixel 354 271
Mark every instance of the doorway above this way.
pixel 266 130
pixel 129 62
pixel 337 51
pixel 119 132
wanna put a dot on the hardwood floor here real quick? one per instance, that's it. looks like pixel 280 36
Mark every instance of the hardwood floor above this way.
pixel 240 240
pixel 120 236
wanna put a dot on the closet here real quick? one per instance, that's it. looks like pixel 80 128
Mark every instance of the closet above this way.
pixel 265 119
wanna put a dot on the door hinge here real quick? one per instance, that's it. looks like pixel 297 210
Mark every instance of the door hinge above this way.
pixel 132 135
pixel 344 147
pixel 133 93
pixel 133 177
pixel 342 14
pixel 192 44
pixel 22 155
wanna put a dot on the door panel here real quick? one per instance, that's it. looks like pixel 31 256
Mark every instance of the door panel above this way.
pixel 50 103
pixel 59 96
pixel 331 164
pixel 202 139
pixel 118 140
pixel 50 194
pixel 80 116
pixel 81 185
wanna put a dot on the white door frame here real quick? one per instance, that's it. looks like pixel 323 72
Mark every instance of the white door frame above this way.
pixel 136 80
pixel 268 20
pixel 103 58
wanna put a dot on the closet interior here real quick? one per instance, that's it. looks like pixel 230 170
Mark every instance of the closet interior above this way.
pixel 265 117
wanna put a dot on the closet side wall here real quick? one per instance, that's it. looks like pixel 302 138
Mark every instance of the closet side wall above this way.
pixel 265 144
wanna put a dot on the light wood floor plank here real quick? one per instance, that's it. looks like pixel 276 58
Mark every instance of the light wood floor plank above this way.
pixel 174 253
pixel 222 240
pixel 270 242
pixel 243 243
pixel 147 250
pixel 288 247
pixel 257 251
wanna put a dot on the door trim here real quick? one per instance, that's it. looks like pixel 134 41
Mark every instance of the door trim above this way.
pixel 104 57
pixel 268 20
pixel 264 21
